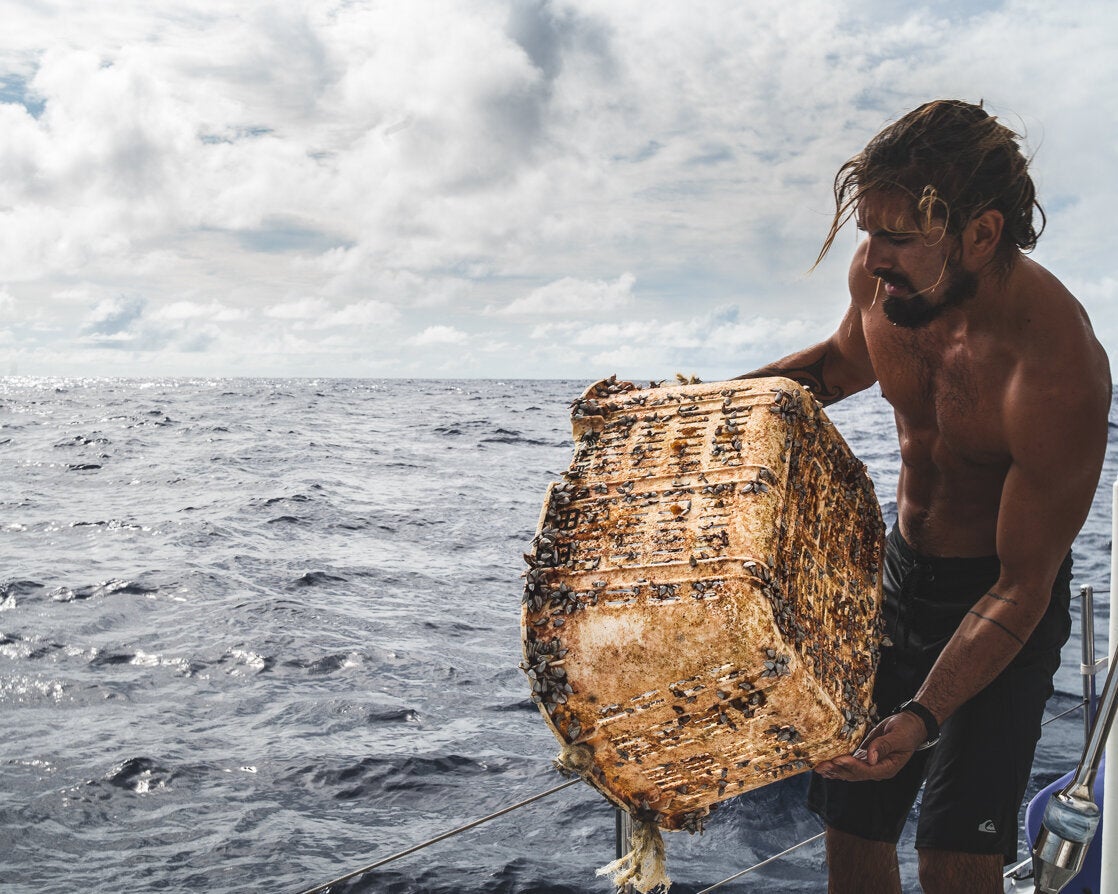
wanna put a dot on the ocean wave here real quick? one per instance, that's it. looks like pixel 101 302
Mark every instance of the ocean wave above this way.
pixel 318 578
pixel 104 588
pixel 141 775
pixel 390 775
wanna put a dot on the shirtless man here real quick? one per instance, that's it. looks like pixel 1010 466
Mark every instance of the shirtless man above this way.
pixel 1001 394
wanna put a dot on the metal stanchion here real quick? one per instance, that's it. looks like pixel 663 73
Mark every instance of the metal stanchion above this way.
pixel 1088 666
pixel 1108 868
pixel 623 834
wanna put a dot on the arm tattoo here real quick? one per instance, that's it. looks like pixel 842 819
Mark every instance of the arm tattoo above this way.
pixel 997 624
pixel 1006 599
pixel 810 376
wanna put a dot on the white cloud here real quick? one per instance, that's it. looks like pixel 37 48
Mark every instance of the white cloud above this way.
pixel 439 335
pixel 113 316
pixel 322 315
pixel 718 329
pixel 362 313
pixel 213 311
pixel 299 310
pixel 569 296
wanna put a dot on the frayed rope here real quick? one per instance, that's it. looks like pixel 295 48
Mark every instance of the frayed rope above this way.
pixel 644 867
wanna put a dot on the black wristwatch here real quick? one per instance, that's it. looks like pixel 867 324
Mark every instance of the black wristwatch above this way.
pixel 931 725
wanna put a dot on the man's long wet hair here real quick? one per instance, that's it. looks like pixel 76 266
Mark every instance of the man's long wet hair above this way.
pixel 954 161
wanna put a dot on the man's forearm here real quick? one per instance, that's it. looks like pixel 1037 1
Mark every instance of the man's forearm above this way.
pixel 809 368
pixel 988 639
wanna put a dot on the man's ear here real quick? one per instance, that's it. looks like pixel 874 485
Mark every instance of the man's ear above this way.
pixel 982 236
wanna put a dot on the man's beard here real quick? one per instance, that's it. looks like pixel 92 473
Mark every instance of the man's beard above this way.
pixel 915 311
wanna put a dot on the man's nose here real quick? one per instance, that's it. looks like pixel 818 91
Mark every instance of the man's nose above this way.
pixel 877 257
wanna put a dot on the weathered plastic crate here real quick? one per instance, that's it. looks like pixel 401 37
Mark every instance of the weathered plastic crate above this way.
pixel 701 612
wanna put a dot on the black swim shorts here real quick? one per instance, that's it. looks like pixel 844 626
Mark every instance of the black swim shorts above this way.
pixel 975 778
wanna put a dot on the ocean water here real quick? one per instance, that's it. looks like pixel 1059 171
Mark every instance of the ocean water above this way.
pixel 256 634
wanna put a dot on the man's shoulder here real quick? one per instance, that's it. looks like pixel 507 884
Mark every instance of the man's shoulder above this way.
pixel 1059 367
pixel 1045 322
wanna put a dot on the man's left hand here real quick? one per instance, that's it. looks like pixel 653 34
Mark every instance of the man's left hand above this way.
pixel 882 753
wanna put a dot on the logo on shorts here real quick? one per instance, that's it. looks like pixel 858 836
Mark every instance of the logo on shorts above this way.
pixel 987 826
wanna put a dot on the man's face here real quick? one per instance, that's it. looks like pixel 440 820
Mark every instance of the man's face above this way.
pixel 918 269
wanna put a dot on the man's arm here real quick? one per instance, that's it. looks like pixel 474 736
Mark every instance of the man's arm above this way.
pixel 1058 447
pixel 1057 437
pixel 832 369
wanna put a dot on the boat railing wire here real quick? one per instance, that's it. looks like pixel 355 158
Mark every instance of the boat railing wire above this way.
pixel 1089 669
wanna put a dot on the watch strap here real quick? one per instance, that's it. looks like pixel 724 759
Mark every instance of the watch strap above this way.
pixel 931 725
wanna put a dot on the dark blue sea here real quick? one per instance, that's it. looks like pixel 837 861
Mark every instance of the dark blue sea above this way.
pixel 255 634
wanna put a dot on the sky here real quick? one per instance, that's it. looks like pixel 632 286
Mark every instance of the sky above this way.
pixel 494 188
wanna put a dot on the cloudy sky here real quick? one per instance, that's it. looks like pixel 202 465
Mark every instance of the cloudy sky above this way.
pixel 493 188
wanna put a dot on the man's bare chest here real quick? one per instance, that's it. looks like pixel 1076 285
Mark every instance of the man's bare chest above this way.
pixel 947 398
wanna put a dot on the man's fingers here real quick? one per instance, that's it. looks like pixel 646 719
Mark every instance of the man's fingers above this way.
pixel 879 748
pixel 881 759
